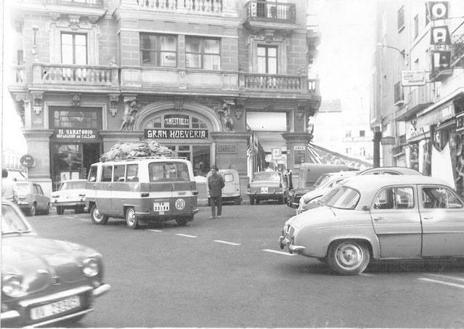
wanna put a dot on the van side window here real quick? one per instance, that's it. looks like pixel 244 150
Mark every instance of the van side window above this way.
pixel 228 178
pixel 132 174
pixel 93 174
pixel 107 173
pixel 168 171
pixel 119 173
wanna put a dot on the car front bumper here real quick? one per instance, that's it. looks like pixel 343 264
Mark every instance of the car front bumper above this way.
pixel 20 316
pixel 285 242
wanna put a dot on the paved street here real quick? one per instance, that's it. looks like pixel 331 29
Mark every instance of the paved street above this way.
pixel 231 273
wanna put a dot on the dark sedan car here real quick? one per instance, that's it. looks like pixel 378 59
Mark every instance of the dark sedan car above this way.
pixel 45 281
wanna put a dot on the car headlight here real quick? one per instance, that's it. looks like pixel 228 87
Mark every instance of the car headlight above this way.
pixel 91 267
pixel 12 285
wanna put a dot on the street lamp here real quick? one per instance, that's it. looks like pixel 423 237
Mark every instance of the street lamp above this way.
pixel 401 51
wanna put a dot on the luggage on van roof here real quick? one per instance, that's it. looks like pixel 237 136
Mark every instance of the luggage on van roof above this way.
pixel 132 150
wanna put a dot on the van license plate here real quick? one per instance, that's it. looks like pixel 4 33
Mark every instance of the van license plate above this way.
pixel 161 206
pixel 264 190
pixel 55 308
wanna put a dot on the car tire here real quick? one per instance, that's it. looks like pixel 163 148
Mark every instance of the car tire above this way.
pixel 348 257
pixel 182 221
pixel 252 200
pixel 131 219
pixel 59 210
pixel 97 217
pixel 33 210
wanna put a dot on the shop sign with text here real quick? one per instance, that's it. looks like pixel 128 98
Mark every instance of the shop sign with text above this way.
pixel 176 133
pixel 75 133
pixel 176 121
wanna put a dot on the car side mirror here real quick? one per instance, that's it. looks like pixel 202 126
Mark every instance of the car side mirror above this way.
pixel 366 208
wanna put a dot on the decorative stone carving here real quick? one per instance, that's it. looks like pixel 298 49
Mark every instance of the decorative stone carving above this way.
pixel 130 111
pixel 225 114
pixel 74 21
pixel 37 102
pixel 76 100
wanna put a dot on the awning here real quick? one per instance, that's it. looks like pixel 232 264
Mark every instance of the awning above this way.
pixel 318 154
pixel 456 93
pixel 411 113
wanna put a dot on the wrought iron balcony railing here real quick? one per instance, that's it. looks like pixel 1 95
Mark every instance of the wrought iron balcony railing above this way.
pixel 271 11
pixel 198 6
pixel 277 82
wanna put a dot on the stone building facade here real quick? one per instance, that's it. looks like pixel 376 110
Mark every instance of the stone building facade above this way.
pixel 91 73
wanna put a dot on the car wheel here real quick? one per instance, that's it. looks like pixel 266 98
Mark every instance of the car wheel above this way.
pixel 59 210
pixel 252 200
pixel 97 217
pixel 182 221
pixel 33 210
pixel 348 257
pixel 131 219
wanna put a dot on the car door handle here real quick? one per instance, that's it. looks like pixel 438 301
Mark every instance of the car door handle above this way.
pixel 428 218
pixel 378 218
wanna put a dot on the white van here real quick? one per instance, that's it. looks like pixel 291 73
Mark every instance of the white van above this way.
pixel 142 190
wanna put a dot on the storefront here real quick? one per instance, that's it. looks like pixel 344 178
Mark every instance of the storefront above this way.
pixel 75 142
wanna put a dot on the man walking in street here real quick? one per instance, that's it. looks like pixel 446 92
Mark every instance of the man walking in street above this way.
pixel 8 191
pixel 215 185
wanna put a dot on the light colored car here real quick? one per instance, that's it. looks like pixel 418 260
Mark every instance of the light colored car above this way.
pixel 390 171
pixel 70 195
pixel 379 217
pixel 31 199
pixel 45 281
pixel 266 185
pixel 325 183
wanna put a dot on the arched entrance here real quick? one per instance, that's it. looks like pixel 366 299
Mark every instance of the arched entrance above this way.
pixel 186 131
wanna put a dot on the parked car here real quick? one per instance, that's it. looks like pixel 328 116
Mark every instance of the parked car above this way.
pixel 70 195
pixel 45 281
pixel 266 185
pixel 31 198
pixel 231 190
pixel 379 217
pixel 308 174
pixel 325 183
pixel 390 171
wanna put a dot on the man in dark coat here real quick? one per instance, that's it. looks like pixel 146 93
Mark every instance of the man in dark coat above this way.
pixel 215 185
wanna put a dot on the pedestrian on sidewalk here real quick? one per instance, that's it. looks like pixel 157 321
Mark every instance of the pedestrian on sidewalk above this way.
pixel 8 190
pixel 215 185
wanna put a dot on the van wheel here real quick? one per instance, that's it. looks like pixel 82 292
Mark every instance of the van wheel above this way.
pixel 97 217
pixel 182 221
pixel 348 257
pixel 59 210
pixel 131 219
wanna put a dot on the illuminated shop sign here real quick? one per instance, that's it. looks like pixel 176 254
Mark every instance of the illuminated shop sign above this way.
pixel 75 133
pixel 176 121
pixel 176 133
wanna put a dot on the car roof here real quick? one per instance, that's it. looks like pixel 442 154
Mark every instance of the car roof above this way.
pixel 403 170
pixel 374 182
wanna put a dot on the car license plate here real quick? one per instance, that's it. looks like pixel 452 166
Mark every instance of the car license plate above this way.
pixel 161 207
pixel 264 190
pixel 55 308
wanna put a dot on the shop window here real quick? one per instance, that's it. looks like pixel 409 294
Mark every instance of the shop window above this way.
pixel 73 48
pixel 202 53
pixel 64 118
pixel 158 50
pixel 267 59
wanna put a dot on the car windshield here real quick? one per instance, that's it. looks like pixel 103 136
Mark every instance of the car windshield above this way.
pixel 266 176
pixel 342 197
pixel 168 171
pixel 73 185
pixel 22 188
pixel 12 221
pixel 322 180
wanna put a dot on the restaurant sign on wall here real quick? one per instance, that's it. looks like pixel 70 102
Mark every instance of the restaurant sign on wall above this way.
pixel 176 133
pixel 76 133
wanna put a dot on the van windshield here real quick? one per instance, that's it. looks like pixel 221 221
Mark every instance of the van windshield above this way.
pixel 168 171
pixel 266 176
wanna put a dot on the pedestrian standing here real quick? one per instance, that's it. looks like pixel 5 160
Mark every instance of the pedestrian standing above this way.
pixel 8 191
pixel 215 185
